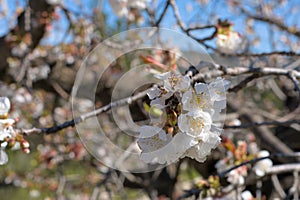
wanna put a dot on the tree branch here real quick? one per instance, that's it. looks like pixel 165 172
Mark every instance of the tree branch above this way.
pixel 163 14
pixel 273 21
pixel 270 123
pixel 222 70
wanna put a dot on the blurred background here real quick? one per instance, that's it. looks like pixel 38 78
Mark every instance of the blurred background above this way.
pixel 44 42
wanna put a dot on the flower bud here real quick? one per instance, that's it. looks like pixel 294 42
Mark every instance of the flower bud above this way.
pixel 24 144
pixel 26 150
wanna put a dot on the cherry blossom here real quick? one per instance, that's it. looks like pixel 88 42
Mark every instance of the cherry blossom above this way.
pixel 6 132
pixel 122 7
pixel 229 43
pixel 228 40
pixel 4 105
pixel 9 138
pixel 188 130
pixel 174 81
pixel 208 97
pixel 262 166
pixel 194 123
pixel 159 147
pixel 237 176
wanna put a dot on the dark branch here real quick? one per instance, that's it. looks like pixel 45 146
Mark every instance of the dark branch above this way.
pixel 163 14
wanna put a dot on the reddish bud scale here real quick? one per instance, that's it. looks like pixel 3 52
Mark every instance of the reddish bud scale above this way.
pixel 24 144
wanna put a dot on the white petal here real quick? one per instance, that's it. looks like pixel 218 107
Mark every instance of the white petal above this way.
pixel 188 101
pixel 200 151
pixel 166 152
pixel 139 4
pixel 262 166
pixel 162 76
pixel 119 7
pixel 184 83
pixel 3 157
pixel 246 195
pixel 4 105
pixel 201 88
pixel 194 123
pixel 153 92
pixel 158 103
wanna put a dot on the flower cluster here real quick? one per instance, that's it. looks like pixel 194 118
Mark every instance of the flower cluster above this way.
pixel 129 8
pixel 228 41
pixel 9 138
pixel 189 128
pixel 242 152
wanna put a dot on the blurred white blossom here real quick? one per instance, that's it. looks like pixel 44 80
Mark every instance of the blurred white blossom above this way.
pixel 6 132
pixel 4 105
pixel 237 176
pixel 54 2
pixel 246 195
pixel 230 42
pixel 262 166
pixel 122 7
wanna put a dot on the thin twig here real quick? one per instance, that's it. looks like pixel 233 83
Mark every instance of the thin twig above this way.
pixel 272 156
pixel 177 14
pixel 294 189
pixel 273 170
pixel 71 123
pixel 162 14
pixel 243 83
pixel 275 22
pixel 292 76
pixel 270 123
pixel 200 27
pixel 277 186
pixel 222 70
pixel 281 53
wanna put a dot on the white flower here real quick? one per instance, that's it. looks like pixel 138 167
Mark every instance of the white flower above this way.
pixel 192 100
pixel 206 142
pixel 4 134
pixel 237 176
pixel 194 123
pixel 174 81
pixel 153 93
pixel 230 42
pixel 54 2
pixel 208 97
pixel 246 195
pixel 139 4
pixel 262 166
pixel 159 147
pixel 3 157
pixel 193 133
pixel 121 7
pixel 4 105
pixel 158 97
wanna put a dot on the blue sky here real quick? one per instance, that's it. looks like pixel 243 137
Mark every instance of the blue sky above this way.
pixel 190 11
pixel 223 11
